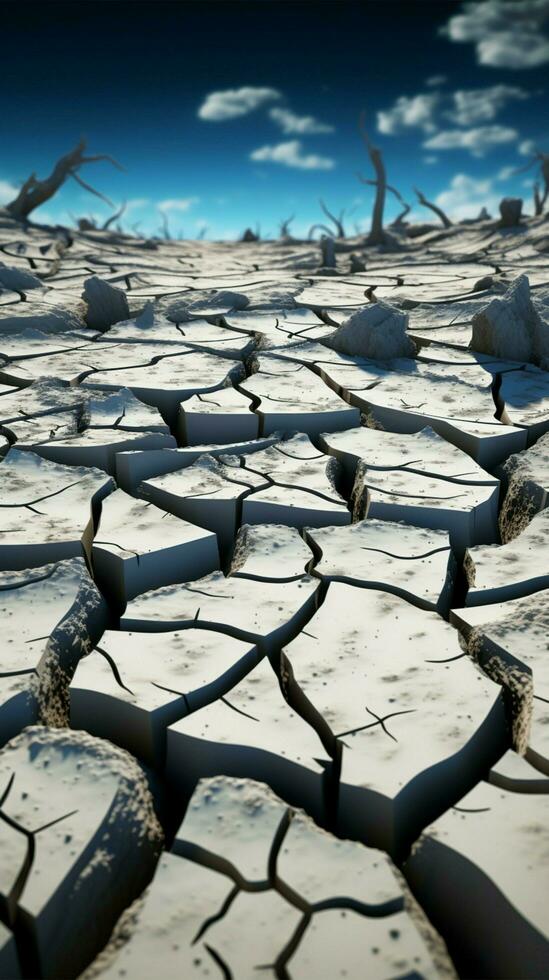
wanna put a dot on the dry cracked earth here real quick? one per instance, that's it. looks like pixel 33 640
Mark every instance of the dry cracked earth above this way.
pixel 275 673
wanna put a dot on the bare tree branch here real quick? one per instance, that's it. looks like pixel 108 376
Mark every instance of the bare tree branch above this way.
pixel 373 183
pixel 35 192
pixel 324 228
pixel 103 156
pixel 522 170
pixel 285 226
pixel 92 190
pixel 543 160
pixel 399 220
pixel 433 207
pixel 337 222
pixel 114 217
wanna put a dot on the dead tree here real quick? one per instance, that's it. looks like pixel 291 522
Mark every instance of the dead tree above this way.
pixel 328 252
pixel 397 223
pixel 118 214
pixel 164 227
pixel 433 207
pixel 284 227
pixel 543 160
pixel 399 220
pixel 377 236
pixel 336 221
pixel 35 192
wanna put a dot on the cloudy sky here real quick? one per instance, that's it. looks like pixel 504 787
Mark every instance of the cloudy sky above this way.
pixel 233 114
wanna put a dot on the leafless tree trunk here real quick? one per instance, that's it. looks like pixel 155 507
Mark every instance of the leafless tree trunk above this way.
pixel 328 252
pixel 35 192
pixel 377 235
pixel 406 207
pixel 433 207
pixel 543 160
pixel 539 198
pixel 544 168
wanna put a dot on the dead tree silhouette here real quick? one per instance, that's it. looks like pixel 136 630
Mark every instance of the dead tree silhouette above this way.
pixel 35 192
pixel 399 220
pixel 377 236
pixel 337 222
pixel 433 207
pixel 284 227
pixel 540 198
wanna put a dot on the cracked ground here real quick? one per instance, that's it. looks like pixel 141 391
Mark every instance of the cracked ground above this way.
pixel 274 675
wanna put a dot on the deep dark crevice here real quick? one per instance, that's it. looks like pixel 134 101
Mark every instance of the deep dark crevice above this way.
pixel 495 389
pixel 460 583
pixel 9 435
pixel 316 551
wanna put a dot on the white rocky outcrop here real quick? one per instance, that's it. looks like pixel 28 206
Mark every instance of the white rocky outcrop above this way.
pixel 511 327
pixel 377 331
pixel 106 304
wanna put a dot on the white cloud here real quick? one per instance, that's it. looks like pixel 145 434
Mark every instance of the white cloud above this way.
pixel 464 107
pixel 290 154
pixel 466 196
pixel 304 125
pixel 506 33
pixel 233 102
pixel 7 192
pixel 135 204
pixel 415 111
pixel 506 173
pixel 430 160
pixel 478 140
pixel 177 203
pixel 514 51
pixel 527 148
pixel 471 106
pixel 435 80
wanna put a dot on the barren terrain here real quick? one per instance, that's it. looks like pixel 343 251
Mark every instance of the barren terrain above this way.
pixel 273 583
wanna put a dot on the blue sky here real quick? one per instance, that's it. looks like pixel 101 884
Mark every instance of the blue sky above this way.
pixel 233 114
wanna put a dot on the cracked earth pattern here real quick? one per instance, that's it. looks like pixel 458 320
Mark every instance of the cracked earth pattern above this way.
pixel 274 673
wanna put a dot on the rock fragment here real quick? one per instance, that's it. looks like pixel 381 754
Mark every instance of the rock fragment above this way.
pixel 106 304
pixel 377 331
pixel 85 809
pixel 510 209
pixel 511 327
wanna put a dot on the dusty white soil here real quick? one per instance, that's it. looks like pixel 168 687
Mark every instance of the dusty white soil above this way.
pixel 274 584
